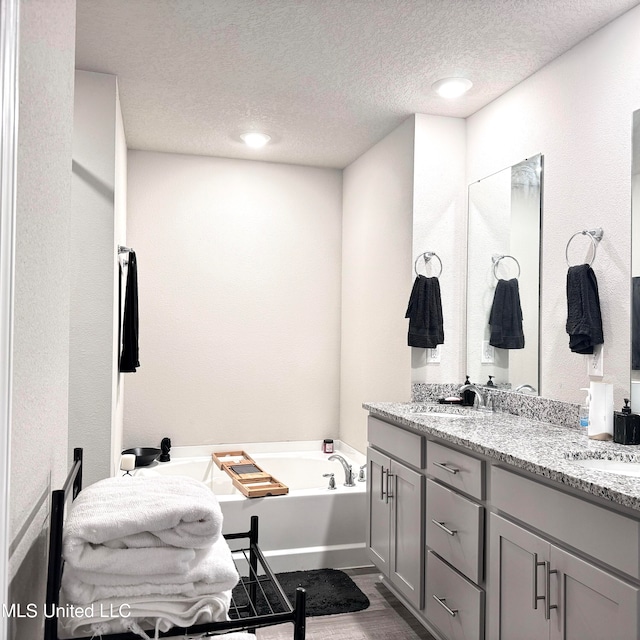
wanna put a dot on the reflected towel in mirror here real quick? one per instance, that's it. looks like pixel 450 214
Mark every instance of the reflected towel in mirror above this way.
pixel 506 316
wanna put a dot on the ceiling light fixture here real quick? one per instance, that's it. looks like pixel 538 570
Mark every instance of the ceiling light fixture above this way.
pixel 452 87
pixel 254 139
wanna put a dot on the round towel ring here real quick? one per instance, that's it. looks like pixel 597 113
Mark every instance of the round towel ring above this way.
pixel 427 255
pixel 496 259
pixel 595 235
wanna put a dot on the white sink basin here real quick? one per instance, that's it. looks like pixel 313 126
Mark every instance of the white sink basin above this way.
pixel 434 410
pixel 611 466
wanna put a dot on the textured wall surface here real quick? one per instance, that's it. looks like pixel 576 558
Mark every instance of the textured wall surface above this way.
pixel 439 225
pixel 239 273
pixel 376 279
pixel 577 111
pixel 41 330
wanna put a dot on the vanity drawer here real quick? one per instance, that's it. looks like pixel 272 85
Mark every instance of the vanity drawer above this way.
pixel 397 442
pixel 455 529
pixel 465 620
pixel 596 531
pixel 458 470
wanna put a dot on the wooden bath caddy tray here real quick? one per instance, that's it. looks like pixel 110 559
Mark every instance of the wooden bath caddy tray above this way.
pixel 247 476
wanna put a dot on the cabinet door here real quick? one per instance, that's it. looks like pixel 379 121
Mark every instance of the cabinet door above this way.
pixel 592 604
pixel 379 510
pixel 407 532
pixel 517 585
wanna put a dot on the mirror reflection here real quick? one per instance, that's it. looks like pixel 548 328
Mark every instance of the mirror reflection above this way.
pixel 503 278
pixel 635 265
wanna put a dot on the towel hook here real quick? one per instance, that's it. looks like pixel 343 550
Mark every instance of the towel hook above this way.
pixel 496 257
pixel 427 255
pixel 595 235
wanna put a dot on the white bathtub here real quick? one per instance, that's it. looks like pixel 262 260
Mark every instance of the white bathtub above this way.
pixel 311 527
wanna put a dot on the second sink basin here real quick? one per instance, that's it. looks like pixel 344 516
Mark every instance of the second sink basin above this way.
pixel 621 467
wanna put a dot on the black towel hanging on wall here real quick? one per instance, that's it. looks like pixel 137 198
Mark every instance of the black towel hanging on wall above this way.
pixel 584 317
pixel 426 328
pixel 129 358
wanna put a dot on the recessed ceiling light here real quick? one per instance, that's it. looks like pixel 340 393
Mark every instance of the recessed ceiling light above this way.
pixel 255 140
pixel 452 87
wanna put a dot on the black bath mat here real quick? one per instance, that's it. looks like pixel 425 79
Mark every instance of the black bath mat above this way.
pixel 329 591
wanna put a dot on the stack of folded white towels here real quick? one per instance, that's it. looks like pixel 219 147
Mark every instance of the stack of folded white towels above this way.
pixel 145 553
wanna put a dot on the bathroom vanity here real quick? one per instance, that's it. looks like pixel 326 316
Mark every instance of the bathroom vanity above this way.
pixel 490 525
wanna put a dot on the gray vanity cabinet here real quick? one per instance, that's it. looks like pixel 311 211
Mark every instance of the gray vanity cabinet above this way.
pixel 517 579
pixel 539 590
pixel 395 495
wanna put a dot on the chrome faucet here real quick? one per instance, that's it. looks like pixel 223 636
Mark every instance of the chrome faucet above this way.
pixel 525 387
pixel 483 398
pixel 348 473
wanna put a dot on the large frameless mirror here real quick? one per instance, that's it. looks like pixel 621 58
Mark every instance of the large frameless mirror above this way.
pixel 503 278
pixel 635 265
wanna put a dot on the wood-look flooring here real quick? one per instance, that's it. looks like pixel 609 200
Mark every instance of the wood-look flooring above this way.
pixel 385 619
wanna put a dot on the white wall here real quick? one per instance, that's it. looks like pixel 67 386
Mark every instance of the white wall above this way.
pixel 99 170
pixel 239 274
pixel 41 331
pixel 577 111
pixel 376 279
pixel 439 224
pixel 120 238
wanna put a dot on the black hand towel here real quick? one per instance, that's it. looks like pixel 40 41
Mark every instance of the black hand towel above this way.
pixel 129 358
pixel 426 329
pixel 506 316
pixel 584 318
pixel 635 324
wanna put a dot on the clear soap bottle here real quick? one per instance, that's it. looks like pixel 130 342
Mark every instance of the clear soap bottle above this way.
pixel 583 414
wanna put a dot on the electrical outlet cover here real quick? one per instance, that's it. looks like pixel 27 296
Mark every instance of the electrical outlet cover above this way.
pixel 595 365
pixel 488 353
pixel 433 355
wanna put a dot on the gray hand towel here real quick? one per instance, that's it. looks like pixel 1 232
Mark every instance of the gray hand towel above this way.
pixel 506 316
pixel 426 328
pixel 584 318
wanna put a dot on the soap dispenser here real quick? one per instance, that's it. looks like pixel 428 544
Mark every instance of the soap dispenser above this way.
pixel 490 382
pixel 468 396
pixel 626 425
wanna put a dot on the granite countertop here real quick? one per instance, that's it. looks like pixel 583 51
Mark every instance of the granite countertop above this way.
pixel 544 449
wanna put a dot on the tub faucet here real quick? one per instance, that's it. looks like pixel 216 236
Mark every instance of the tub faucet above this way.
pixel 483 399
pixel 332 480
pixel 348 473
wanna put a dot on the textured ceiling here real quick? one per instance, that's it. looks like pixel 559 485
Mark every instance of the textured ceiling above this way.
pixel 325 78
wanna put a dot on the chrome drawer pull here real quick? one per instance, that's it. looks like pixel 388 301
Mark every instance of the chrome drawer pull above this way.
pixel 536 564
pixel 382 485
pixel 441 602
pixel 390 477
pixel 451 532
pixel 444 466
pixel 549 606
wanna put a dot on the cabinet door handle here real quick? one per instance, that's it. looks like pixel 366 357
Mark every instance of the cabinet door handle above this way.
pixel 536 564
pixel 451 532
pixel 549 606
pixel 442 465
pixel 441 602
pixel 382 484
pixel 390 476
